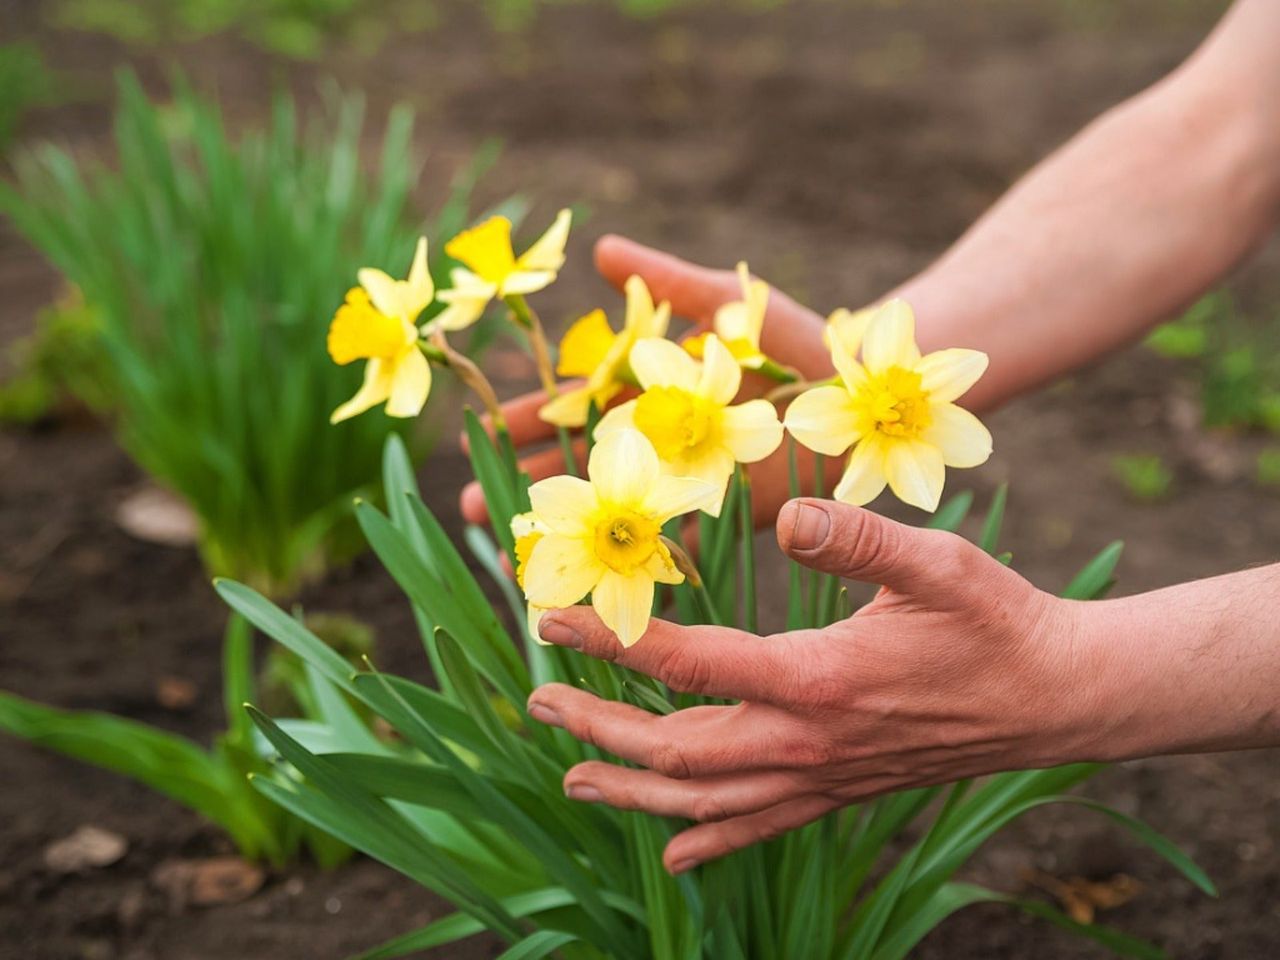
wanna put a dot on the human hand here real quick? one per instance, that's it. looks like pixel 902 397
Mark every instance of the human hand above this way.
pixel 792 336
pixel 958 668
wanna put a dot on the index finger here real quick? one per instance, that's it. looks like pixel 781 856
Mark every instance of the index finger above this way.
pixel 693 291
pixel 708 660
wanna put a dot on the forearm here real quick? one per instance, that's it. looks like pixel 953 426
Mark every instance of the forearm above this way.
pixel 1190 668
pixel 1125 225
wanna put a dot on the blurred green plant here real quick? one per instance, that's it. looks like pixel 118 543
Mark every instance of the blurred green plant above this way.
pixel 57 360
pixel 1144 476
pixel 25 82
pixel 212 269
pixel 213 782
pixel 468 799
pixel 1237 359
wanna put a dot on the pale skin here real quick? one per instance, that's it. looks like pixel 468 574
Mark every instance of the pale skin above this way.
pixel 960 667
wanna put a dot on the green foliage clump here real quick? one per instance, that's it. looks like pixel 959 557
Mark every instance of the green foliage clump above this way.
pixel 212 268
pixel 1144 476
pixel 59 358
pixel 25 82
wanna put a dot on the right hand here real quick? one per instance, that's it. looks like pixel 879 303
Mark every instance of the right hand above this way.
pixel 792 336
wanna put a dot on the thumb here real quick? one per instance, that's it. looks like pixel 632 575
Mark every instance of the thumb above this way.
pixel 859 544
pixel 692 290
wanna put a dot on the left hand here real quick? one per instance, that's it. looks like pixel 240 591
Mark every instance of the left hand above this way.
pixel 958 668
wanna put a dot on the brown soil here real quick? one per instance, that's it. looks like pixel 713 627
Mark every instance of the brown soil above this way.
pixel 836 146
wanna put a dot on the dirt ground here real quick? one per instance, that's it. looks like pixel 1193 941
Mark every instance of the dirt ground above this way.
pixel 838 147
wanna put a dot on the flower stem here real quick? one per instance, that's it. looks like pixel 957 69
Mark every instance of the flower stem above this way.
pixel 472 376
pixel 750 613
pixel 524 316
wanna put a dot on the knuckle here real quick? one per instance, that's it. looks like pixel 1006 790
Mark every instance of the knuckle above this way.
pixel 709 808
pixel 685 671
pixel 669 759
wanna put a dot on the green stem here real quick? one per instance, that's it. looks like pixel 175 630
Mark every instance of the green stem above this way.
pixel 750 613
pixel 797 574
pixel 237 678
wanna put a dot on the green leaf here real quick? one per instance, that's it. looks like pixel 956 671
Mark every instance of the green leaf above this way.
pixel 990 538
pixel 538 945
pixel 1093 581
pixel 952 513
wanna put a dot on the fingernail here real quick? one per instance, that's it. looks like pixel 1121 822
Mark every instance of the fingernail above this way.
pixel 584 792
pixel 810 528
pixel 683 866
pixel 561 634
pixel 544 714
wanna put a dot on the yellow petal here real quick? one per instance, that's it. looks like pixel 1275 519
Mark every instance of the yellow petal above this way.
pixel 624 604
pixel 959 435
pixel 721 375
pixel 375 389
pixel 824 419
pixel 714 468
pixel 890 339
pixel 621 417
pixel 564 504
pixel 456 316
pixel 547 252
pixel 661 363
pixel 642 318
pixel 485 249
pixel 669 497
pixel 844 349
pixel 585 345
pixel 847 327
pixel 916 472
pixel 751 430
pixel 525 281
pixel 419 290
pixel 864 477
pixel 523 524
pixel 661 567
pixel 947 374
pixel 743 320
pixel 533 617
pixel 360 332
pixel 466 301
pixel 410 385
pixel 623 467
pixel 569 409
pixel 382 291
pixel 561 571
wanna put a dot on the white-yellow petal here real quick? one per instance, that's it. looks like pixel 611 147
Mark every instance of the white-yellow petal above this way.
pixel 547 252
pixel 621 417
pixel 533 617
pixel 561 571
pixel 916 472
pixel 670 496
pixel 721 375
pixel 864 477
pixel 564 504
pixel 525 281
pixel 662 569
pixel 419 290
pixel 382 290
pixel 947 374
pixel 624 604
pixel 661 363
pixel 642 318
pixel 959 435
pixel 824 419
pixel 523 524
pixel 890 338
pixel 623 467
pixel 410 385
pixel 712 467
pixel 751 430
pixel 374 390
pixel 847 327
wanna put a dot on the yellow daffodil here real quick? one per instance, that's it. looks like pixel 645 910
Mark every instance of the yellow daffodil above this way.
pixel 849 327
pixel 739 323
pixel 604 533
pixel 895 409
pixel 592 350
pixel 377 324
pixel 685 413
pixel 527 530
pixel 492 268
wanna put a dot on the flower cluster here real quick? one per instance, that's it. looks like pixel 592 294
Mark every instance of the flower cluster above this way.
pixel 673 445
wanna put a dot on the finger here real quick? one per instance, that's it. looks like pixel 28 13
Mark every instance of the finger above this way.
pixel 705 799
pixel 693 291
pixel 545 463
pixel 712 661
pixel 710 841
pixel 698 742
pixel 861 545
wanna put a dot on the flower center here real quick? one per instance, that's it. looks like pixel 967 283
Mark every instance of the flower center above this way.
pixel 674 420
pixel 360 332
pixel 485 249
pixel 897 404
pixel 524 550
pixel 625 540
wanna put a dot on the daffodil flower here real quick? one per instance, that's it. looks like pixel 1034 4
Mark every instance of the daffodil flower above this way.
pixel 895 409
pixel 739 323
pixel 604 533
pixel 492 269
pixel 527 530
pixel 376 323
pixel 685 413
pixel 592 350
